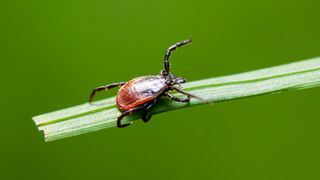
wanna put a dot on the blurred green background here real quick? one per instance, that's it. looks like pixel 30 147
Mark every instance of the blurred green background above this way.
pixel 54 52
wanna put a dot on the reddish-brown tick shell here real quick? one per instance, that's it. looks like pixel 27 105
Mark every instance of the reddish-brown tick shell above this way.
pixel 139 91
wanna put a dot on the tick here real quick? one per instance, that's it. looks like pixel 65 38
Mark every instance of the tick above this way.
pixel 142 93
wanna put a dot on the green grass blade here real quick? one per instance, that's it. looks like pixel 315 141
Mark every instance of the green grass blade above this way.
pixel 87 118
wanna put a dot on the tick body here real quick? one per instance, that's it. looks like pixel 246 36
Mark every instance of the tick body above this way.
pixel 142 93
pixel 139 91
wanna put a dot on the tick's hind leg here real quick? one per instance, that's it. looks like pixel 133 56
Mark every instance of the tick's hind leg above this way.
pixel 126 113
pixel 146 116
pixel 106 87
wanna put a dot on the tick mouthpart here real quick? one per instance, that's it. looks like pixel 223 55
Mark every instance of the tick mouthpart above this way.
pixel 179 80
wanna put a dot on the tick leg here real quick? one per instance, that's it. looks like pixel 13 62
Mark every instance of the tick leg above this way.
pixel 106 87
pixel 188 94
pixel 177 98
pixel 145 115
pixel 126 113
pixel 168 53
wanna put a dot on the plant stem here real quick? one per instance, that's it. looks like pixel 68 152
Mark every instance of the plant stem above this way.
pixel 103 114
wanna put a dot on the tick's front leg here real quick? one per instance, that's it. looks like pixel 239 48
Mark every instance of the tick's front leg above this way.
pixel 178 99
pixel 189 94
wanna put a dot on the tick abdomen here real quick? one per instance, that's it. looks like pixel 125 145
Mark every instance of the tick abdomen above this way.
pixel 140 90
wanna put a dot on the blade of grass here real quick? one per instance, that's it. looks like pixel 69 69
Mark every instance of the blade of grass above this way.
pixel 87 118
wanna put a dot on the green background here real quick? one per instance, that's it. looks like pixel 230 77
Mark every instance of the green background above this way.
pixel 54 52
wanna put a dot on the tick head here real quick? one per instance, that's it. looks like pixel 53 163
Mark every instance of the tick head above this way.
pixel 179 80
pixel 171 79
pixel 176 80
